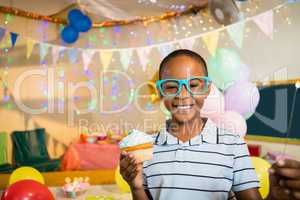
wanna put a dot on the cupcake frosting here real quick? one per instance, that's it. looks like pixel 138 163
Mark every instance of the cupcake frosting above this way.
pixel 134 138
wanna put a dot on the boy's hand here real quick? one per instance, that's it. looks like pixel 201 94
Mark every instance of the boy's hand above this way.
pixel 285 180
pixel 131 169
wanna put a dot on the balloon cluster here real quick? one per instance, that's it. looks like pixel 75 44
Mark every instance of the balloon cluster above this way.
pixel 78 22
pixel 233 98
pixel 27 183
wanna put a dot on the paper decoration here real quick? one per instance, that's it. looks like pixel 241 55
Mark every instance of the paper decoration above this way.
pixel 211 41
pixel 236 33
pixel 143 54
pixel 30 45
pixel 2 33
pixel 56 51
pixel 13 38
pixel 43 50
pixel 165 50
pixel 187 43
pixel 125 57
pixel 72 54
pixel 87 57
pixel 105 57
pixel 265 22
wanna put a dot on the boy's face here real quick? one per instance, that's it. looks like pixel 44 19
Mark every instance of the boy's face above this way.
pixel 184 107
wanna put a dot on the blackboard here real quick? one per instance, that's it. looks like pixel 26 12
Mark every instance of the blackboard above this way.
pixel 275 122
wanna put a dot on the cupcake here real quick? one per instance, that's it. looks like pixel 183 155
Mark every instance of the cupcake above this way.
pixel 139 144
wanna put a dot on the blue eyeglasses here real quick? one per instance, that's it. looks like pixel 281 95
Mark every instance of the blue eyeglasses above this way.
pixel 196 85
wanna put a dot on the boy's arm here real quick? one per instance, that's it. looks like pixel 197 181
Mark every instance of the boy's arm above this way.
pixel 249 194
pixel 245 181
pixel 139 194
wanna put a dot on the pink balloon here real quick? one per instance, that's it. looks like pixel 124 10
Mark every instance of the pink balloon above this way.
pixel 242 97
pixel 232 122
pixel 214 103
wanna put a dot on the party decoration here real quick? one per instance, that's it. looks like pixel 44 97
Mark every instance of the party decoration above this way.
pixel 106 57
pixel 84 24
pixel 18 12
pixel 261 168
pixel 224 11
pixel 44 47
pixel 28 173
pixel 125 57
pixel 244 73
pixel 123 185
pixel 297 85
pixel 214 104
pixel 211 41
pixel 224 67
pixel 265 22
pixel 2 33
pixel 236 33
pixel 143 54
pixel 187 43
pixel 232 122
pixel 30 45
pixel 13 37
pixel 242 97
pixel 27 189
pixel 74 16
pixel 87 57
pixel 69 34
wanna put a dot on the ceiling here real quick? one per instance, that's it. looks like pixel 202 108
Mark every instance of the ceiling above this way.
pixel 103 9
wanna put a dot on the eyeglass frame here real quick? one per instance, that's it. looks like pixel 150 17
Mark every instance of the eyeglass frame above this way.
pixel 182 82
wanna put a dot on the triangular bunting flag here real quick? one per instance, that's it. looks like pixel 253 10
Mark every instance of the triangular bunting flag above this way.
pixel 55 53
pixel 87 57
pixel 13 38
pixel 105 57
pixel 211 41
pixel 125 57
pixel 236 33
pixel 143 54
pixel 187 43
pixel 43 50
pixel 2 33
pixel 30 44
pixel 265 22
pixel 72 54
pixel 165 50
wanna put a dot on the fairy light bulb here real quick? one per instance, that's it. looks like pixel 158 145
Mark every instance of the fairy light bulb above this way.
pixel 297 85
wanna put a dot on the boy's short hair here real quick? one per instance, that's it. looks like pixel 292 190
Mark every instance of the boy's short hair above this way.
pixel 182 52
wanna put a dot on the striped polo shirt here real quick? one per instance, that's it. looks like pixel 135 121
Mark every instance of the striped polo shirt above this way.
pixel 208 166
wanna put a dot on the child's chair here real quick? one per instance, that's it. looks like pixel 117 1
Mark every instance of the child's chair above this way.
pixel 29 149
pixel 5 167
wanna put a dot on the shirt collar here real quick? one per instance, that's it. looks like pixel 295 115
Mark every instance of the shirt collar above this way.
pixel 208 135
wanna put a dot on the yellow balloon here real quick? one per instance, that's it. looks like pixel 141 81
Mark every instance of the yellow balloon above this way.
pixel 261 168
pixel 123 185
pixel 25 173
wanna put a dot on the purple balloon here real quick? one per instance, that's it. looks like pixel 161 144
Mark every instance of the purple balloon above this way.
pixel 242 97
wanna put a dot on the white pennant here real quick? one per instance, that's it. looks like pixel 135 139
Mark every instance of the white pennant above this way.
pixel 265 22
pixel 125 57
pixel 143 54
pixel 187 43
pixel 236 33
pixel 43 50
pixel 165 50
pixel 55 53
pixel 87 56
